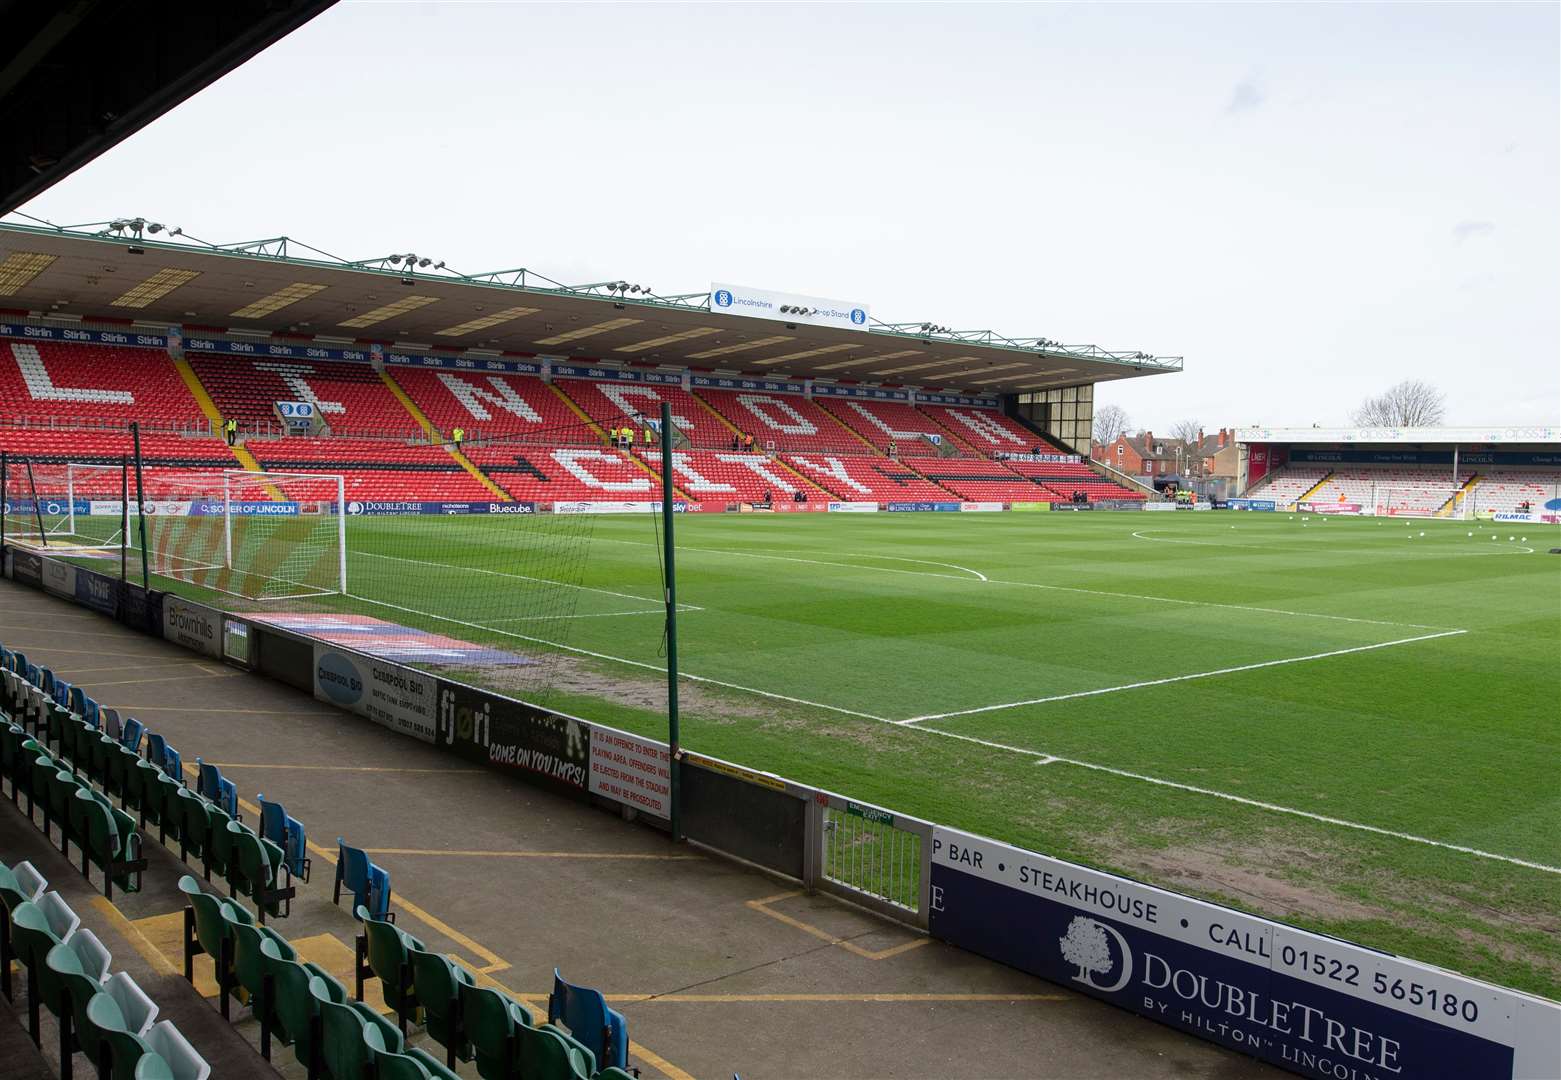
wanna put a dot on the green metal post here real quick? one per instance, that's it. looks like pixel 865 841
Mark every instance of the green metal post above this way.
pixel 135 439
pixel 672 619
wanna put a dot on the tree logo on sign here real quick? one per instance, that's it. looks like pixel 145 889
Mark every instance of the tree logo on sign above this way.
pixel 1087 946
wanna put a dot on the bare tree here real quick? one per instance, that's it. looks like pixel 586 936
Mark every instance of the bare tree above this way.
pixel 1111 423
pixel 1411 403
pixel 1187 431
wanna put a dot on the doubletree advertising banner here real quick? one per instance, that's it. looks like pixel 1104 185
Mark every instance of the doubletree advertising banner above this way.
pixel 1310 1004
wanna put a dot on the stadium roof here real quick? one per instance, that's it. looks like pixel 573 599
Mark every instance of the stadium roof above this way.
pixel 76 78
pixel 1461 436
pixel 132 269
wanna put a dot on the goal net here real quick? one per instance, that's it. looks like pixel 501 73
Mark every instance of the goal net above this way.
pixel 1420 502
pixel 256 535
pixel 67 507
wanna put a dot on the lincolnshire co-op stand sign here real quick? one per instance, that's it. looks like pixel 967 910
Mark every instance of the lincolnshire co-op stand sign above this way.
pixel 1311 1004
pixel 787 307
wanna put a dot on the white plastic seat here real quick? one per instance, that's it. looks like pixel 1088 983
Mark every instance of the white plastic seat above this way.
pixel 32 883
pixel 93 957
pixel 167 1043
pixel 140 1011
pixel 62 920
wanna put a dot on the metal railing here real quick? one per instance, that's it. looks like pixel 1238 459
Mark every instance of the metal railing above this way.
pixel 870 856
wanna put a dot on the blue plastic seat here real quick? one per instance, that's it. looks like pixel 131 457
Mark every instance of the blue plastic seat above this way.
pixel 597 1027
pixel 210 783
pixel 130 735
pixel 369 884
pixel 286 833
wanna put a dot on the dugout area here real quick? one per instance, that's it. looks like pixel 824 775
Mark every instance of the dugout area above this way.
pixel 719 968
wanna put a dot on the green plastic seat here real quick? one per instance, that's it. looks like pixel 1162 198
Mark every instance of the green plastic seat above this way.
pixel 389 1066
pixel 212 934
pixel 219 841
pixel 65 990
pixel 62 788
pixel 101 751
pixel 189 809
pixel 153 1067
pixel 293 1008
pixel 28 766
pixel 108 839
pixel 106 1034
pixel 139 790
pixel 438 981
pixel 248 969
pixel 612 1072
pixel 164 792
pixel 548 1054
pixel 489 1020
pixel 254 867
pixel 350 1034
pixel 389 955
pixel 415 1064
pixel 119 766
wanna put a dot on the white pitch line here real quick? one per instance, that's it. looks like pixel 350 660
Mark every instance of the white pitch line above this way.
pixel 1179 678
pixel 1052 588
pixel 927 562
pixel 589 615
pixel 624 660
pixel 521 577
pixel 1278 809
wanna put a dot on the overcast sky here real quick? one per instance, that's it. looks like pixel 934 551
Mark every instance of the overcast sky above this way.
pixel 1308 202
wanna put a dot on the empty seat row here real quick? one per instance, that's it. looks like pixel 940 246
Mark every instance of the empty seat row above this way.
pixel 104 1016
pixel 204 821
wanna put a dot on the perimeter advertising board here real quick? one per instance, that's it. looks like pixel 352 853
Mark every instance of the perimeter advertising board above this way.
pixel 399 698
pixel 633 771
pixel 97 591
pixel 26 567
pixel 853 508
pixel 192 625
pixel 59 578
pixel 1314 1005
pixel 512 735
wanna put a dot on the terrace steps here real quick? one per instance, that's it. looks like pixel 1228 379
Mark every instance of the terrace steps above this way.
pixel 1315 488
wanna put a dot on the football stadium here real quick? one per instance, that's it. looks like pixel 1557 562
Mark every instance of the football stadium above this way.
pixel 724 680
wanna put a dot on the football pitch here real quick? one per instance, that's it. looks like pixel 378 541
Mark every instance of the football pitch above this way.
pixel 1348 723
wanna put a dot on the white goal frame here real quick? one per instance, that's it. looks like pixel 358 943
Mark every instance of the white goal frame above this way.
pixel 1408 501
pixel 168 498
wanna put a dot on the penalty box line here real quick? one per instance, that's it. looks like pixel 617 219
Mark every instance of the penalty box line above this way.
pixel 1178 678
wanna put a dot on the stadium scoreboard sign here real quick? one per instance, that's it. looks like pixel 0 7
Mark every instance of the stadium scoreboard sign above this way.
pixel 1313 1005
pixel 787 307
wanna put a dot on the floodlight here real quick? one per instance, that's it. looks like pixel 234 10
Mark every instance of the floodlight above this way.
pixel 424 262
pixel 395 260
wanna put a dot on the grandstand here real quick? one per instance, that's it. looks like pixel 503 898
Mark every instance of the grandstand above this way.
pixel 1426 472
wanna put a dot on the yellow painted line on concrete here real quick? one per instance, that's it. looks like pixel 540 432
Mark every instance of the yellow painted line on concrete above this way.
pixel 171 678
pixel 745 999
pixel 631 855
pixel 656 1061
pixel 492 961
pixel 649 1057
pixel 222 712
pixel 328 951
pixel 331 768
pixel 762 906
pixel 132 933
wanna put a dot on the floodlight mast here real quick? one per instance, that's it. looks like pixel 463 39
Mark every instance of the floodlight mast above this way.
pixel 667 517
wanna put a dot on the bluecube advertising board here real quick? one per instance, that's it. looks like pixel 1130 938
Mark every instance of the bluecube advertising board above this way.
pixel 1313 1005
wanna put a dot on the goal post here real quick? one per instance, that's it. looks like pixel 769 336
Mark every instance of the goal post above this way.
pixel 67 507
pixel 263 536
pixel 1420 502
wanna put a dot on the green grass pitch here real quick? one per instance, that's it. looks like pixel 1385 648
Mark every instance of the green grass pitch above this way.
pixel 1347 723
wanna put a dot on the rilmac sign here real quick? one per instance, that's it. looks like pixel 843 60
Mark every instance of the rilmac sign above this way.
pixel 787 307
pixel 1310 1004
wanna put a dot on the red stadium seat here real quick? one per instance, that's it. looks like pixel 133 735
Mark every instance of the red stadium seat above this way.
pixel 783 421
